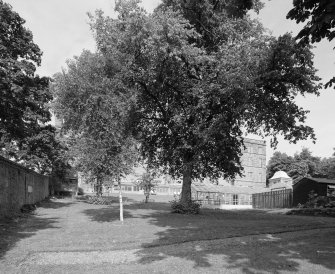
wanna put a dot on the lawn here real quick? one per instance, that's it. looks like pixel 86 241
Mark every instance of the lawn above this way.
pixel 153 224
pixel 70 233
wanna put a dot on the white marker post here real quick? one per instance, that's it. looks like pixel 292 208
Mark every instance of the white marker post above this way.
pixel 120 199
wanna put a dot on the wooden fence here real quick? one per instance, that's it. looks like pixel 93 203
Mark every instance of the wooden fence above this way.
pixel 273 199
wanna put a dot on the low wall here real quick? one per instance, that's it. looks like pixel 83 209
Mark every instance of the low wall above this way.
pixel 19 186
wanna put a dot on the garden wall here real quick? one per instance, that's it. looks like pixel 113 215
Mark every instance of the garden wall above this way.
pixel 19 186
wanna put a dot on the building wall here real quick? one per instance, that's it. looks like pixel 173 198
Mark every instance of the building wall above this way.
pixel 253 160
pixel 302 189
pixel 19 186
pixel 254 164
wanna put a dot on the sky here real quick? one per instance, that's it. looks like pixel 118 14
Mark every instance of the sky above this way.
pixel 61 30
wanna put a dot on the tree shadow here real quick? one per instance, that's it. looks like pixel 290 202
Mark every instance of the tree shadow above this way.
pixel 24 226
pixel 248 241
pixel 106 214
pixel 54 204
pixel 111 213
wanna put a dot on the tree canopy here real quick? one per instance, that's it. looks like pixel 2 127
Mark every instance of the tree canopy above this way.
pixel 94 118
pixel 302 164
pixel 24 134
pixel 319 16
pixel 192 78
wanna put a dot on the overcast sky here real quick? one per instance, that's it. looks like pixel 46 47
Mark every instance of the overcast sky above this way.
pixel 60 28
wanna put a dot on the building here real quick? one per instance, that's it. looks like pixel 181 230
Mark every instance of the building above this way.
pixel 253 161
pixel 254 175
pixel 280 180
pixel 254 164
pixel 303 187
pixel 223 197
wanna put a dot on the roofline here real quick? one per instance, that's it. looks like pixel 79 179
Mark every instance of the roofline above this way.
pixel 317 180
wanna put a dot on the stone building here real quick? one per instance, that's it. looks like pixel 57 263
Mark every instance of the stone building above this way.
pixel 254 164
pixel 253 161
pixel 254 174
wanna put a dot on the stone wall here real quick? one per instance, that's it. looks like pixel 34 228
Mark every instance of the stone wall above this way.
pixel 19 186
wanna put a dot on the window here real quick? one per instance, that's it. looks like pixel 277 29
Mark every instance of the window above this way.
pixel 331 190
pixel 235 199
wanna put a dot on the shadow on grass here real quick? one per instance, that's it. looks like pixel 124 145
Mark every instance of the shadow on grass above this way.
pixel 107 214
pixel 267 250
pixel 25 226
pixel 211 238
pixel 53 204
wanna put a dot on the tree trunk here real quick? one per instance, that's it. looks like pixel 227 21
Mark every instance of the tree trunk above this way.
pixel 187 181
pixel 99 186
pixel 120 199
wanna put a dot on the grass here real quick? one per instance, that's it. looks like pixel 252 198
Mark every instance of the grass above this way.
pixel 153 224
pixel 153 235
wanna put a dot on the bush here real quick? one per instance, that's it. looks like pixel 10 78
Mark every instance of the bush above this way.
pixel 326 212
pixel 316 201
pixel 191 207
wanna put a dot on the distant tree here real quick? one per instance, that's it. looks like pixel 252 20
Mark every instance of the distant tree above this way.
pixel 320 17
pixel 327 167
pixel 278 161
pixel 194 92
pixel 311 163
pixel 147 183
pixel 25 136
pixel 302 164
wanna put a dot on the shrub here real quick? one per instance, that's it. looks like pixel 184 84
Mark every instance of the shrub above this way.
pixel 316 201
pixel 191 207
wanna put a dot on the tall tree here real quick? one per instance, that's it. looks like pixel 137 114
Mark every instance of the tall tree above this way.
pixel 195 94
pixel 94 119
pixel 24 135
pixel 319 16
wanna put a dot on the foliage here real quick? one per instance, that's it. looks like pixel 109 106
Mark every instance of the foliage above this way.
pixel 147 183
pixel 320 17
pixel 24 135
pixel 326 212
pixel 195 93
pixel 181 207
pixel 316 201
pixel 94 118
pixel 302 164
pixel 327 167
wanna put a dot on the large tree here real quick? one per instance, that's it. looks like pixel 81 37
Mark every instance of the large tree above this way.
pixel 319 19
pixel 95 120
pixel 197 93
pixel 24 134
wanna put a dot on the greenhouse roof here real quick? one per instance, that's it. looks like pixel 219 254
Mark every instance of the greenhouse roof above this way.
pixel 226 189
